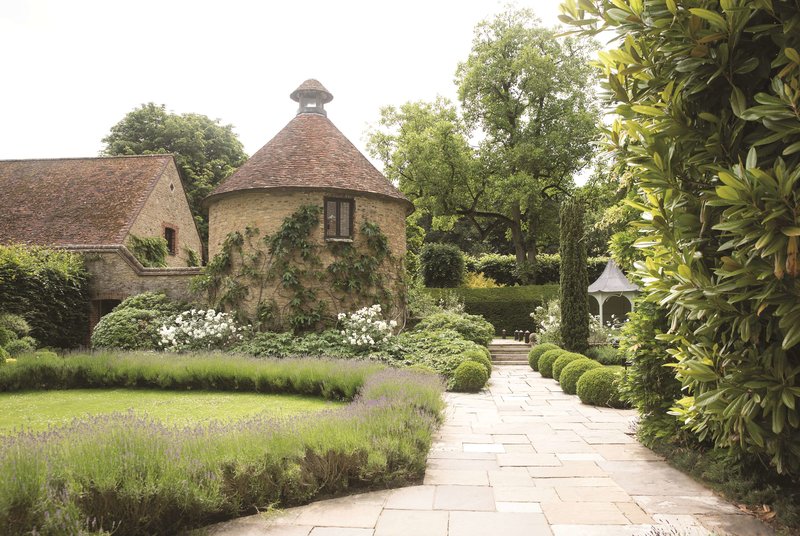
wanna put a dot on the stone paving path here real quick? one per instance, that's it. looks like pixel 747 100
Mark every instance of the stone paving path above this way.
pixel 523 458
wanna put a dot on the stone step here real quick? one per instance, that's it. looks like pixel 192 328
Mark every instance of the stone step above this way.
pixel 520 349
pixel 510 356
pixel 501 363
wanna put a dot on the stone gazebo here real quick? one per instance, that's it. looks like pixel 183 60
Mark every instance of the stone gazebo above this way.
pixel 613 292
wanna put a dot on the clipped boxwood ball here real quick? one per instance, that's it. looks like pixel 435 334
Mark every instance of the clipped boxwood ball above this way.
pixel 573 371
pixel 536 353
pixel 547 360
pixel 479 357
pixel 562 361
pixel 598 387
pixel 470 377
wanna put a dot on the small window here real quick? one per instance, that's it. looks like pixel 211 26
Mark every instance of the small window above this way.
pixel 339 218
pixel 169 236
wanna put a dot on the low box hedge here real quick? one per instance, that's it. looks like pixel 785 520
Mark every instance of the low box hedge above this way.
pixel 506 308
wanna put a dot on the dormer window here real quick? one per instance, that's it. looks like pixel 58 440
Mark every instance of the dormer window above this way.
pixel 170 236
pixel 339 218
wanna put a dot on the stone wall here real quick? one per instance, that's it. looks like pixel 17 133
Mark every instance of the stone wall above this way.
pixel 167 207
pixel 115 274
pixel 267 210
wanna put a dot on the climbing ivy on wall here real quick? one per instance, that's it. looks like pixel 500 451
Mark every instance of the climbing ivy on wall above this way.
pixel 287 265
pixel 150 251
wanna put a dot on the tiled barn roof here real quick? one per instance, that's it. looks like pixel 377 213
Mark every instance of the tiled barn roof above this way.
pixel 75 201
pixel 310 152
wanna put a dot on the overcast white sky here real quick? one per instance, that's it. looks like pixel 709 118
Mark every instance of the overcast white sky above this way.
pixel 72 69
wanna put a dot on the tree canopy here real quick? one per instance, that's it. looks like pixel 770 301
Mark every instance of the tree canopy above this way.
pixel 206 151
pixel 504 159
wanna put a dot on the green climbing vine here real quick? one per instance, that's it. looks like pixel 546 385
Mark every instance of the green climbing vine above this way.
pixel 286 268
pixel 356 274
pixel 150 251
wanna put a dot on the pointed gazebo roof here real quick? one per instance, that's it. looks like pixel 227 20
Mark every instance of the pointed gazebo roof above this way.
pixel 612 280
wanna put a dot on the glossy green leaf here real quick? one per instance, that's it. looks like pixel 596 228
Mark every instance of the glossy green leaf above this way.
pixel 738 102
pixel 715 19
pixel 727 192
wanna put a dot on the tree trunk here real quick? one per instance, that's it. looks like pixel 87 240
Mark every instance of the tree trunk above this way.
pixel 520 248
pixel 533 250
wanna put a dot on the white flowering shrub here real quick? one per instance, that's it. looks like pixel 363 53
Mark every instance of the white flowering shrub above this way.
pixel 199 329
pixel 548 323
pixel 604 334
pixel 366 329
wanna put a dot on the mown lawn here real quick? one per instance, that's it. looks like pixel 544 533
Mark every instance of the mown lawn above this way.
pixel 36 410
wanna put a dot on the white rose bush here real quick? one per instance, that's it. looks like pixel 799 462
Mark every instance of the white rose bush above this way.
pixel 199 329
pixel 366 329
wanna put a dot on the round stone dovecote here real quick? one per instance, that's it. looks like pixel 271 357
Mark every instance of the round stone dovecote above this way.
pixel 311 163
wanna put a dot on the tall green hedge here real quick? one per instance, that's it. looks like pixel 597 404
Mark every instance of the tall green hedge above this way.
pixel 506 308
pixel 48 288
pixel 503 268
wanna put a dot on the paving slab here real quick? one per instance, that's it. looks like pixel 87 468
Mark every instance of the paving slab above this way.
pixel 456 477
pixel 734 525
pixel 418 523
pixel 340 514
pixel 411 498
pixel 500 523
pixel 472 498
pixel 583 513
pixel 523 458
pixel 592 494
pixel 339 531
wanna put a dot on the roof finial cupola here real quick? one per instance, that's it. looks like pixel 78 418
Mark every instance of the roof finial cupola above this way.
pixel 312 97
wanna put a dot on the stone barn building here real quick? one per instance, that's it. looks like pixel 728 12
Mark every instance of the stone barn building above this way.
pixel 93 206
pixel 311 163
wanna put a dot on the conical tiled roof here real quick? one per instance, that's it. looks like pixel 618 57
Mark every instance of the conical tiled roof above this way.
pixel 310 152
pixel 309 86
pixel 612 280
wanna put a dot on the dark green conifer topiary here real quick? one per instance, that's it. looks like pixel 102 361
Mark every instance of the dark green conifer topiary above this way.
pixel 547 360
pixel 537 351
pixel 574 295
